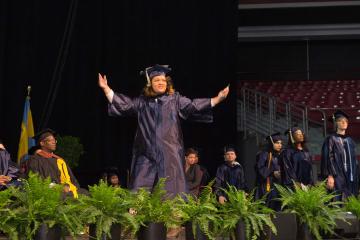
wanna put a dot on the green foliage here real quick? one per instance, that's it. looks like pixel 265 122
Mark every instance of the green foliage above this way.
pixel 202 211
pixel 353 205
pixel 243 207
pixel 155 207
pixel 70 149
pixel 6 215
pixel 106 206
pixel 313 206
pixel 35 203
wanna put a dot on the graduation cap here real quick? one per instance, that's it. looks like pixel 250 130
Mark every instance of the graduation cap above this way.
pixel 40 136
pixel 229 148
pixel 155 70
pixel 273 138
pixel 291 131
pixel 338 114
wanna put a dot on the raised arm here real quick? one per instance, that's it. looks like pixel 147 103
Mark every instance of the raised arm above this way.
pixel 199 109
pixel 220 97
pixel 103 84
pixel 119 104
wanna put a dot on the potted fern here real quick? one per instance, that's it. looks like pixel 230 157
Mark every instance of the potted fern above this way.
pixel 7 215
pixel 109 211
pixel 247 216
pixel 352 204
pixel 38 210
pixel 200 214
pixel 314 208
pixel 154 212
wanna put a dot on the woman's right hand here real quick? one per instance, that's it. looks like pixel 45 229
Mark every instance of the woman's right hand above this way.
pixel 330 183
pixel 102 81
pixel 103 84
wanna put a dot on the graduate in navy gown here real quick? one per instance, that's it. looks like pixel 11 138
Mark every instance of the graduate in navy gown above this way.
pixel 9 172
pixel 158 150
pixel 268 170
pixel 229 173
pixel 338 159
pixel 295 160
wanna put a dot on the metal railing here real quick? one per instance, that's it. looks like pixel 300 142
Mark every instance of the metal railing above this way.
pixel 264 114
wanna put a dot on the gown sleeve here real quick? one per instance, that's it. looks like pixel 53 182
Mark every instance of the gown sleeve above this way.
pixel 288 171
pixel 327 159
pixel 219 182
pixel 198 110
pixel 262 166
pixel 122 105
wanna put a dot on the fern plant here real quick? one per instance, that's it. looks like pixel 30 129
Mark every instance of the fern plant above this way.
pixel 313 206
pixel 36 203
pixel 154 207
pixel 352 204
pixel 243 207
pixel 202 212
pixel 7 215
pixel 108 206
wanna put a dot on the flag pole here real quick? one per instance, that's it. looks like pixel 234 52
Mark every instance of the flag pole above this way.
pixel 28 91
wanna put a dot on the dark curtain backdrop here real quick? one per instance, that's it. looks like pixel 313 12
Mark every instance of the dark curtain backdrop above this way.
pixel 118 38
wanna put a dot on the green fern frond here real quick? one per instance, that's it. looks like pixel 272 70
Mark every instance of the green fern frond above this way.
pixel 312 206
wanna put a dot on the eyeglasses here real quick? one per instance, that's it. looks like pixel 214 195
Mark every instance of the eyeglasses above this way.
pixel 50 140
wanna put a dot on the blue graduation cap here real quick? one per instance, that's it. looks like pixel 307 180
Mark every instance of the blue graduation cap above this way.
pixel 273 138
pixel 155 70
pixel 339 114
pixel 229 148
pixel 291 131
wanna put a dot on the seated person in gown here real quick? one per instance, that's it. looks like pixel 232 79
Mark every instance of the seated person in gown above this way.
pixel 47 164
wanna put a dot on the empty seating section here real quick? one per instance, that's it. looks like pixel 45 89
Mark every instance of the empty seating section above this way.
pixel 325 95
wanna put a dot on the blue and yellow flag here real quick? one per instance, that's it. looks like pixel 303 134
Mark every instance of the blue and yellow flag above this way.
pixel 27 131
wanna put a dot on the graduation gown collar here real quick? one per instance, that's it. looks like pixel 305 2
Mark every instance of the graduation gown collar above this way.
pixel 44 154
pixel 340 135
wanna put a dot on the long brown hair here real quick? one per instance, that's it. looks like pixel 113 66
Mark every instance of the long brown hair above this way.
pixel 149 92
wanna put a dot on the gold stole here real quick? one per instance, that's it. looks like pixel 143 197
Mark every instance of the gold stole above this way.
pixel 268 178
pixel 65 177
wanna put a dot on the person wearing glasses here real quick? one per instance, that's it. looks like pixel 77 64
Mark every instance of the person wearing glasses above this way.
pixel 45 163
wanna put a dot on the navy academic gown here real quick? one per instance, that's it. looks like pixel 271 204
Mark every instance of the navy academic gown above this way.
pixel 295 165
pixel 263 172
pixel 338 158
pixel 229 175
pixel 158 150
pixel 8 168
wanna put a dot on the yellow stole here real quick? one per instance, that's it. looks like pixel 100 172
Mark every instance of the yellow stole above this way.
pixel 65 177
pixel 64 173
pixel 268 178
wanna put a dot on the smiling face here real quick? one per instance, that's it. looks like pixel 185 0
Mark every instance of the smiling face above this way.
pixel 159 84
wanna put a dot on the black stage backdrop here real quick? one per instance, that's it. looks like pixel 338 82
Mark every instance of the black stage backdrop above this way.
pixel 119 38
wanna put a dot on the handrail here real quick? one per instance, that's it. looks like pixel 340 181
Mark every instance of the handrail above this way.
pixel 256 104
